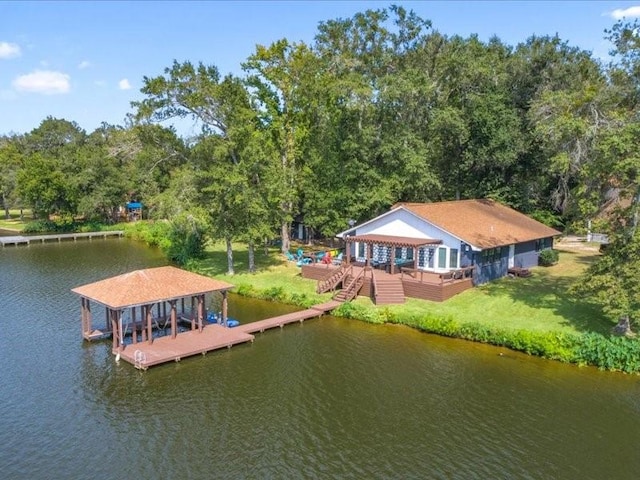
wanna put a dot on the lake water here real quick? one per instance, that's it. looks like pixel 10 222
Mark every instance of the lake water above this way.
pixel 329 398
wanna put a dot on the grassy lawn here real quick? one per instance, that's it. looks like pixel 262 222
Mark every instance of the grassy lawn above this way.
pixel 538 303
pixel 14 223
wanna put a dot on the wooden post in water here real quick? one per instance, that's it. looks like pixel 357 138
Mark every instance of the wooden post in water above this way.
pixel 114 330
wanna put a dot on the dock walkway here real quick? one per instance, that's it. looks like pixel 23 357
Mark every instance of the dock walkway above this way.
pixel 27 239
pixel 212 337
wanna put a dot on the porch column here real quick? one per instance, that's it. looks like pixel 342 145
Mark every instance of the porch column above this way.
pixel 392 267
pixel 224 307
pixel 174 319
pixel 368 254
pixel 164 312
pixel 348 248
pixel 415 258
pixel 149 324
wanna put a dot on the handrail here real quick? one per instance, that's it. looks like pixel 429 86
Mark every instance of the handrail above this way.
pixel 333 279
pixel 353 287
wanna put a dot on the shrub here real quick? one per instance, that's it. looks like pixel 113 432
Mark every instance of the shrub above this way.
pixel 548 257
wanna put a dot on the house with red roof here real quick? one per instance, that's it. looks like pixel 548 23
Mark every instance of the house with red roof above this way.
pixel 482 235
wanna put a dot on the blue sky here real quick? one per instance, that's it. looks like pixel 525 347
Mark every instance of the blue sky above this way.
pixel 85 61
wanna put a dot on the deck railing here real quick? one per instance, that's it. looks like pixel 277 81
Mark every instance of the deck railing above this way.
pixel 333 279
pixel 352 289
pixel 446 277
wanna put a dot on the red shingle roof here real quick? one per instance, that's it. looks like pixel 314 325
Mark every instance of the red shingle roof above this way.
pixel 148 286
pixel 481 223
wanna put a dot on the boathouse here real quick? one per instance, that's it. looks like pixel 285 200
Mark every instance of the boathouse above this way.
pixel 143 301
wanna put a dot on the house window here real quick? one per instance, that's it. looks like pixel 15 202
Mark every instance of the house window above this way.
pixel 399 252
pixel 442 257
pixel 361 249
pixel 453 258
pixel 410 253
pixel 430 256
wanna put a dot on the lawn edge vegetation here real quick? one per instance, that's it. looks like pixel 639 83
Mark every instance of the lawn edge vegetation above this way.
pixel 278 280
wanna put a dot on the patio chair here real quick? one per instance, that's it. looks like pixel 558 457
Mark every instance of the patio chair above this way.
pixel 290 257
pixel 337 260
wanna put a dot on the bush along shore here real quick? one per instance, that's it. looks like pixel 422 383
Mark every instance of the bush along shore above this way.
pixel 613 353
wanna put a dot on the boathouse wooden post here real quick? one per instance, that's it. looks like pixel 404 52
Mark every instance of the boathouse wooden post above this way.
pixel 224 307
pixel 149 326
pixel 83 316
pixel 134 327
pixel 114 330
pixel 200 311
pixel 120 330
pixel 164 312
pixel 143 318
pixel 193 313
pixel 106 313
pixel 174 319
pixel 89 316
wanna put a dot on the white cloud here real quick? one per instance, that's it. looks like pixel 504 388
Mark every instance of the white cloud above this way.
pixel 84 64
pixel 124 84
pixel 9 50
pixel 631 12
pixel 45 82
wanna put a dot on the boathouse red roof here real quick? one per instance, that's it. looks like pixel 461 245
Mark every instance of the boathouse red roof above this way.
pixel 150 285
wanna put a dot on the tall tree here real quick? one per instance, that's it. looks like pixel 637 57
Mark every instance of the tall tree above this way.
pixel 279 76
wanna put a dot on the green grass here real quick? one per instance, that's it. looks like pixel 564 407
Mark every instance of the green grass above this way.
pixel 14 223
pixel 540 303
pixel 537 303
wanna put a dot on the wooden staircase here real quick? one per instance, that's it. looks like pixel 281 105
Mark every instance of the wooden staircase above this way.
pixel 351 290
pixel 335 278
pixel 388 290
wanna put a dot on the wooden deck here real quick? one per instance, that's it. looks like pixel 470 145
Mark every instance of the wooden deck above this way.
pixel 424 285
pixel 212 337
pixel 28 239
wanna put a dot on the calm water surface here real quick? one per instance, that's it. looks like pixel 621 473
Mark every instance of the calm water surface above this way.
pixel 330 398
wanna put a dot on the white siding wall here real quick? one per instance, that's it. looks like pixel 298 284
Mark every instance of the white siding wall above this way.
pixel 404 224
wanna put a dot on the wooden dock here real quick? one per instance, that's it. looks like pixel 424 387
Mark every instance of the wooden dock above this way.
pixel 16 240
pixel 212 337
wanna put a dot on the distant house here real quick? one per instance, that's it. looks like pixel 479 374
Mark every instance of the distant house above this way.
pixel 446 236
